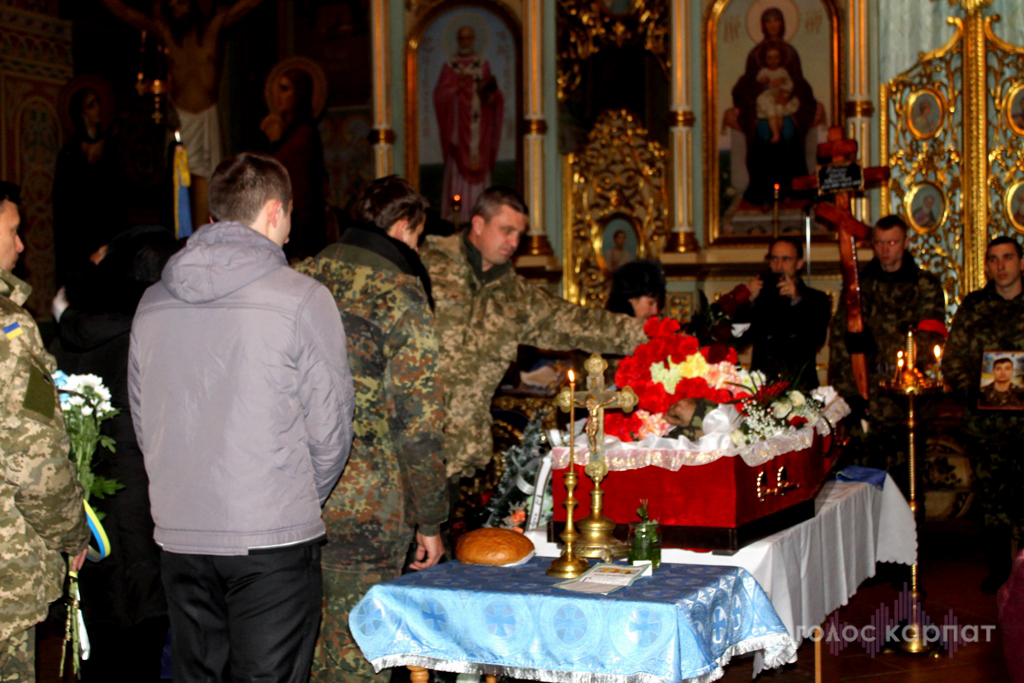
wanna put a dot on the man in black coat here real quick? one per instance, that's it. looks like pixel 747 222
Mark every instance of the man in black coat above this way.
pixel 788 319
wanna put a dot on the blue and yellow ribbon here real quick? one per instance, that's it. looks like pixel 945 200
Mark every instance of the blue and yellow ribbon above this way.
pixel 99 535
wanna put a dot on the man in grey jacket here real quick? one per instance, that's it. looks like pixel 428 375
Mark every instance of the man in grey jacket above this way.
pixel 242 401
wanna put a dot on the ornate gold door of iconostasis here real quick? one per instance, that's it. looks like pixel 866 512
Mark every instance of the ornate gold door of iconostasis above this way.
pixel 952 129
pixel 618 121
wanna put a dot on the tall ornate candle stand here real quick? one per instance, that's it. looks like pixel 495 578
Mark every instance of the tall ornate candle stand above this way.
pixel 911 382
pixel 568 565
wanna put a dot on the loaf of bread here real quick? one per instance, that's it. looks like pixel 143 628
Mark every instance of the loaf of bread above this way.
pixel 492 546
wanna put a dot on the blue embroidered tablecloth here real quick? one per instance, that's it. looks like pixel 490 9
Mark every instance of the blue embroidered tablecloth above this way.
pixel 684 622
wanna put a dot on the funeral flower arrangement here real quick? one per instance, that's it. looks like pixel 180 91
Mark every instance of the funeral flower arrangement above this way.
pixel 673 368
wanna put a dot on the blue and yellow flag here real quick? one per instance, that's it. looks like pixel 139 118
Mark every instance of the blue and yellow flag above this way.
pixel 182 181
pixel 13 330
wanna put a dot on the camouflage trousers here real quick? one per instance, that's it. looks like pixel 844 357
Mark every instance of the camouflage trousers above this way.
pixel 998 477
pixel 337 657
pixel 18 657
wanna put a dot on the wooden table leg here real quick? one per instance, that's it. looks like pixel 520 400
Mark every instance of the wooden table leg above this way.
pixel 826 664
pixel 420 675
pixel 417 674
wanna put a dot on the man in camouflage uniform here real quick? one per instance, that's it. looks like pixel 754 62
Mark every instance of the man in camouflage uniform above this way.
pixel 896 295
pixel 394 484
pixel 992 319
pixel 41 513
pixel 485 311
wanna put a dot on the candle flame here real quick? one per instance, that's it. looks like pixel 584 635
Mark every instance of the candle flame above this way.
pixel 457 198
pixel 177 136
pixel 572 377
pixel 938 352
pixel 776 187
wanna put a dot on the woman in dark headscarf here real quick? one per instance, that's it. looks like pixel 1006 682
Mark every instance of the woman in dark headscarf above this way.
pixel 122 597
pixel 638 289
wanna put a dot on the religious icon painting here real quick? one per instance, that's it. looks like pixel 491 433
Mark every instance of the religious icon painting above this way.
pixel 463 102
pixel 619 243
pixel 1002 381
pixel 1014 109
pixel 926 207
pixel 617 8
pixel 772 88
pixel 925 113
pixel 1014 201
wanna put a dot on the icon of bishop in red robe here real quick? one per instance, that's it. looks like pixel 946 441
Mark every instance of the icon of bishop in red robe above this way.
pixel 469 109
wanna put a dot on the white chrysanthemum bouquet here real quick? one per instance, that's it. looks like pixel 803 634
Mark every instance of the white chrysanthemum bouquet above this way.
pixel 85 402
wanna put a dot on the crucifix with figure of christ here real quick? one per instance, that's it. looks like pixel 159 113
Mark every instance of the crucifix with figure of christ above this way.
pixel 839 177
pixel 596 529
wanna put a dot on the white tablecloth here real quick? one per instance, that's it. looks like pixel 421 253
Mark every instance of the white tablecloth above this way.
pixel 814 567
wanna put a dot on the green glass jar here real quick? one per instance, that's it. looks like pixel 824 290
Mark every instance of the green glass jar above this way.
pixel 645 543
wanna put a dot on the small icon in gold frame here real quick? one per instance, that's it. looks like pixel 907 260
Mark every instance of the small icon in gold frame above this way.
pixel 925 113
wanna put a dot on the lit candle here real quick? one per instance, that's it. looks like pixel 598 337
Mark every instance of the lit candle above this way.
pixel 775 212
pixel 456 205
pixel 572 407
pixel 938 353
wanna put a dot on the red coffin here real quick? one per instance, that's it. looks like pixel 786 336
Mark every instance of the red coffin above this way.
pixel 714 506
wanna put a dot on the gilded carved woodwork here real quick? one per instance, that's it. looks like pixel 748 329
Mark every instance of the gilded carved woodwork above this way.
pixel 928 154
pixel 969 154
pixel 618 175
pixel 587 26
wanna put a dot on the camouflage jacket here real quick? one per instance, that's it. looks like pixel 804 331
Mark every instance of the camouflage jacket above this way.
pixel 394 479
pixel 985 321
pixel 890 303
pixel 41 513
pixel 482 318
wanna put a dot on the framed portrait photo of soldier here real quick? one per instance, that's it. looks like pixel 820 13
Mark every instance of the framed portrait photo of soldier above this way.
pixel 1002 381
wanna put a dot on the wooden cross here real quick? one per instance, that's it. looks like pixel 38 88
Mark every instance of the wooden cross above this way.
pixel 595 400
pixel 842 154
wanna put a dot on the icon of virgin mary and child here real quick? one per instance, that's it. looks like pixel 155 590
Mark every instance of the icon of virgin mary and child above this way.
pixel 775 109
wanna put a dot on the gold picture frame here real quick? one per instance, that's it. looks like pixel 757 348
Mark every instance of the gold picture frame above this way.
pixel 1014 108
pixel 925 113
pixel 1015 197
pixel 738 36
pixel 921 213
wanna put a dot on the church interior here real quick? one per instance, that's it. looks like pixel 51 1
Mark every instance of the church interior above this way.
pixel 612 118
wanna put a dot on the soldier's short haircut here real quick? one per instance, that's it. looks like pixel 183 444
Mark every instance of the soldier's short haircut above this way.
pixel 892 221
pixel 1000 361
pixel 241 185
pixel 793 242
pixel 1003 239
pixel 388 200
pixel 493 198
pixel 10 192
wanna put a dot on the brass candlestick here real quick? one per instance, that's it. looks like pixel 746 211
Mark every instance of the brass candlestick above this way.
pixel 568 565
pixel 911 382
pixel 596 529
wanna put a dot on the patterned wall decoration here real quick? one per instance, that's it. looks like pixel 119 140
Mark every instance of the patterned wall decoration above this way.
pixel 922 142
pixel 35 60
pixel 616 183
